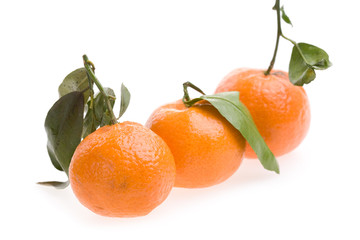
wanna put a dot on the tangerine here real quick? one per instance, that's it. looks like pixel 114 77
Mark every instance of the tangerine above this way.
pixel 122 170
pixel 207 149
pixel 280 110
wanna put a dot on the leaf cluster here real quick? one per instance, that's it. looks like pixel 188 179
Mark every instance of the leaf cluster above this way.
pixel 76 114
pixel 305 58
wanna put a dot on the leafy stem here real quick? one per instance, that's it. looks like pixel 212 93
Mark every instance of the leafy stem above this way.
pixel 89 66
pixel 305 58
pixel 279 33
pixel 65 123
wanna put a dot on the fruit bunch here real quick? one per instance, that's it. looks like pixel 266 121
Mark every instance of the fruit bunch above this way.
pixel 125 169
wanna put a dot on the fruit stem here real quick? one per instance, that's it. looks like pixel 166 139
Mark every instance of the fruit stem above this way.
pixel 186 97
pixel 89 66
pixel 279 33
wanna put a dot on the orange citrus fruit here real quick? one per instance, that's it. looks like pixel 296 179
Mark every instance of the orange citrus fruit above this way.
pixel 207 149
pixel 122 170
pixel 281 110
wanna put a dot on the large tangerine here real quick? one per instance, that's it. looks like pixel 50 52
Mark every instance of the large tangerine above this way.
pixel 122 170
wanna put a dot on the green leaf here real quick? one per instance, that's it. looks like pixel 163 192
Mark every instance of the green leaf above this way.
pixel 229 106
pixel 284 16
pixel 98 114
pixel 90 123
pixel 125 100
pixel 63 125
pixel 106 119
pixel 100 103
pixel 75 81
pixel 315 56
pixel 305 59
pixel 54 161
pixel 299 71
pixel 55 184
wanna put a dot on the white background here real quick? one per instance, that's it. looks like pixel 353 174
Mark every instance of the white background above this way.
pixel 153 47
